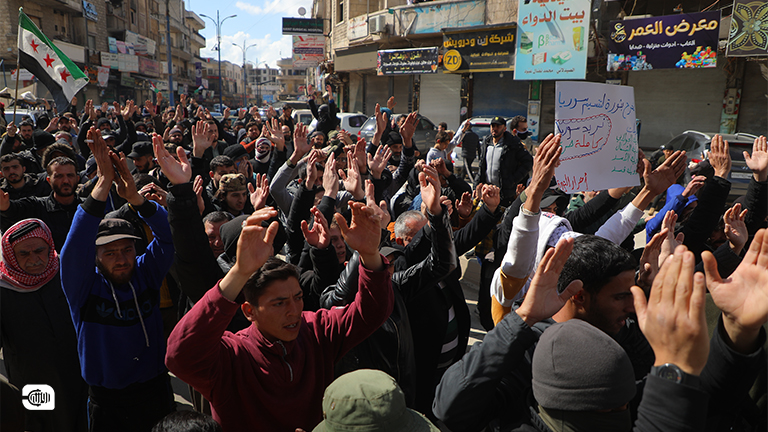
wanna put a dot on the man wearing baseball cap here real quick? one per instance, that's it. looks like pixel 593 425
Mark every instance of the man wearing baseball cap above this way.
pixel 142 156
pixel 115 307
pixel 504 161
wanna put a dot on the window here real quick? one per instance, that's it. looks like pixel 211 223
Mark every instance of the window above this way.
pixel 340 8
pixel 357 121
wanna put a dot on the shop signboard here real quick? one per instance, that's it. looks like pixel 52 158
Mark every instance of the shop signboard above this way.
pixel 748 35
pixel 433 17
pixel 407 61
pixel 552 40
pixel 481 50
pixel 681 41
pixel 127 63
pixel 110 60
pixel 302 26
pixel 149 67
pixel 357 28
pixel 307 51
pixel 126 80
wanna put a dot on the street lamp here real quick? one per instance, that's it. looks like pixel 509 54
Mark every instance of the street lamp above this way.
pixel 245 72
pixel 218 24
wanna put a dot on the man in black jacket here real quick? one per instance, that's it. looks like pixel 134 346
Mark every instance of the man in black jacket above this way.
pixel 504 161
pixel 391 348
pixel 56 210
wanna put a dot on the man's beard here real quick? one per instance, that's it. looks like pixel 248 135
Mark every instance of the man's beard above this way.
pixel 59 191
pixel 123 279
pixel 18 178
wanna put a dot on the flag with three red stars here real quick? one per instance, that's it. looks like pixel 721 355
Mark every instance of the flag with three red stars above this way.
pixel 48 64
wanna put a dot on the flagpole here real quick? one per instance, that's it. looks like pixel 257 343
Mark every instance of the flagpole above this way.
pixel 18 72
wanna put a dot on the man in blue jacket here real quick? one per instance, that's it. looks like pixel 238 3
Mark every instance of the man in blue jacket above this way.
pixel 115 304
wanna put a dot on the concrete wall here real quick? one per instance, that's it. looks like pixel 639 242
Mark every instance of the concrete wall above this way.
pixel 670 101
pixel 753 113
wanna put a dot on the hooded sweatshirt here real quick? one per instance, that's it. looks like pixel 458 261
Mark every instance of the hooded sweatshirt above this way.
pixel 117 346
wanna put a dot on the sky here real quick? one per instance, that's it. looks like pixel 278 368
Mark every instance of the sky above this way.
pixel 257 22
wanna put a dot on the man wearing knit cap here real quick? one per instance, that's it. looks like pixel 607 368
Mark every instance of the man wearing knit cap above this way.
pixel 175 135
pixel 232 196
pixel 115 306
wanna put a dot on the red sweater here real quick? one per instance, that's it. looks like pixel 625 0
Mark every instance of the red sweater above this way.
pixel 254 385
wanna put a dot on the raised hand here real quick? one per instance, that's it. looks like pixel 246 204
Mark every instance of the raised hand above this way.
pixel 491 196
pixel 378 163
pixel 226 113
pixel 151 108
pixel 464 205
pixel 330 178
pixel 391 103
pixel 154 193
pixel 743 297
pixel 197 186
pixel 720 156
pixel 314 156
pixel 100 152
pixel 259 194
pixel 670 241
pixel 758 160
pixel 255 244
pixel 300 144
pixel 439 165
pixel 542 300
pixel 673 318
pixel 128 110
pixel 11 129
pixel 319 236
pixel 696 183
pixel 735 228
pixel 381 121
pixel 177 171
pixel 381 208
pixel 658 180
pixel 353 181
pixel 275 134
pixel 430 190
pixel 363 234
pixel 360 156
pixel 649 261
pixel 544 163
pixel 408 129
pixel 201 138
pixel 126 187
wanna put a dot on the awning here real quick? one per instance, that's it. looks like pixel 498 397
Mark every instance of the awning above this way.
pixel 354 60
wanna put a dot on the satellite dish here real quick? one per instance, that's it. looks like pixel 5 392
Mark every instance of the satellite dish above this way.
pixel 302 11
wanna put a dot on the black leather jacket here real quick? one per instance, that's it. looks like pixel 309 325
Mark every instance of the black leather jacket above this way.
pixel 390 348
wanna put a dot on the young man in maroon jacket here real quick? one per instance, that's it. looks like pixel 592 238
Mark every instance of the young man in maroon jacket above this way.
pixel 271 375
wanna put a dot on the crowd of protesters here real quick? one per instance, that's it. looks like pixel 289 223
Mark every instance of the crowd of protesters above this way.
pixel 311 281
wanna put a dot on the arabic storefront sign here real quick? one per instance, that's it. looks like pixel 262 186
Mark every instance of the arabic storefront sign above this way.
pixel 302 26
pixel 433 17
pixel 103 76
pixel 110 60
pixel 407 61
pixel 552 40
pixel 664 42
pixel 127 63
pixel 748 35
pixel 308 51
pixel 149 67
pixel 126 80
pixel 484 50
pixel 598 134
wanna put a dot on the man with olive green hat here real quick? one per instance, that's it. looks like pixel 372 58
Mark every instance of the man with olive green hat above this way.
pixel 369 400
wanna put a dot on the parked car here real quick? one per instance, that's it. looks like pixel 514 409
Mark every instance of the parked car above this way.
pixel 424 137
pixel 350 122
pixel 696 145
pixel 20 113
pixel 302 116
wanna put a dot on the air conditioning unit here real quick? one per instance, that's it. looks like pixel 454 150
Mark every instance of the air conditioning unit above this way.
pixel 378 24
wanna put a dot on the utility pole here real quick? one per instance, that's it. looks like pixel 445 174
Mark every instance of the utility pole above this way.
pixel 218 24
pixel 168 51
pixel 245 72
